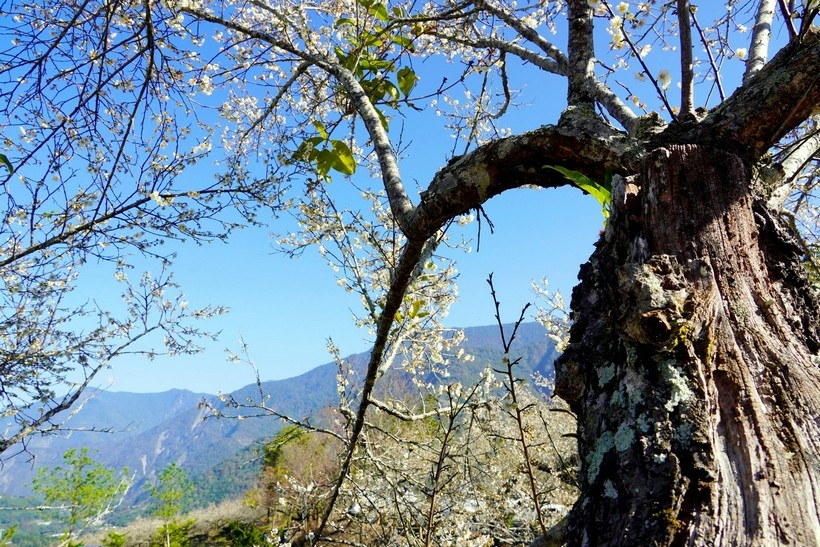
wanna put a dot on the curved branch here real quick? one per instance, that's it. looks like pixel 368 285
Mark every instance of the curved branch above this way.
pixel 529 33
pixel 470 180
pixel 541 61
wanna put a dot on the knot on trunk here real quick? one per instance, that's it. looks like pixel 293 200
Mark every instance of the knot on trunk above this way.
pixel 653 311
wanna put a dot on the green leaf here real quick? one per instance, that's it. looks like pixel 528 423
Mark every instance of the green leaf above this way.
pixel 344 21
pixel 404 41
pixel 389 92
pixel 601 193
pixel 375 64
pixel 324 161
pixel 380 12
pixel 320 127
pixel 382 118
pixel 5 161
pixel 407 80
pixel 343 160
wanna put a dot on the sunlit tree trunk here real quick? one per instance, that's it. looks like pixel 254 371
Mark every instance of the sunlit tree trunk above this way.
pixel 693 365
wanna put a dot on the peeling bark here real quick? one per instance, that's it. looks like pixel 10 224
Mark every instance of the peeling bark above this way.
pixel 692 366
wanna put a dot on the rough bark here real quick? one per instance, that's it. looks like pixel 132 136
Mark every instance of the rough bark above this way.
pixel 692 365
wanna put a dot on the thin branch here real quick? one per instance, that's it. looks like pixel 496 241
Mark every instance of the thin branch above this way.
pixel 91 224
pixel 529 33
pixel 795 158
pixel 637 53
pixel 786 12
pixel 404 416
pixel 274 102
pixel 712 62
pixel 517 410
pixel 541 61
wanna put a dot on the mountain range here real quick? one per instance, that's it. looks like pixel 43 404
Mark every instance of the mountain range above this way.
pixel 147 432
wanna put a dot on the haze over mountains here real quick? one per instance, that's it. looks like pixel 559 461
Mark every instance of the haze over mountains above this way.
pixel 150 431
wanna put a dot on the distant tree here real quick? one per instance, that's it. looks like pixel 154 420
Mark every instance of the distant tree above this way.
pixel 84 489
pixel 172 492
pixel 692 364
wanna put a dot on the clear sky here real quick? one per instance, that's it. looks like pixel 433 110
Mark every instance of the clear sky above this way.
pixel 286 309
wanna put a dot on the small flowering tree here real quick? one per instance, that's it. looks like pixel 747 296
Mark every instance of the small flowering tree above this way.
pixel 84 489
pixel 692 359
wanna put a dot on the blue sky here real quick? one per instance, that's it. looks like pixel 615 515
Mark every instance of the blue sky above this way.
pixel 286 309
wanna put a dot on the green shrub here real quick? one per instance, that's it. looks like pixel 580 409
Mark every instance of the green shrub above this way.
pixel 242 534
pixel 114 539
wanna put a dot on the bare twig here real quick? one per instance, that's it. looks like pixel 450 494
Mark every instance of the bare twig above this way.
pixel 712 63
pixel 637 53
pixel 511 383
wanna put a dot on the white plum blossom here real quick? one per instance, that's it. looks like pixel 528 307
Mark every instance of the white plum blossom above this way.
pixel 664 79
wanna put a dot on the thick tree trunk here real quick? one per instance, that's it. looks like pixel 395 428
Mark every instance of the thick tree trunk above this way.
pixel 693 366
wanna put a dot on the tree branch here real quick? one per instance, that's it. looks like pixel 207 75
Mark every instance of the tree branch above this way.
pixel 786 12
pixel 761 34
pixel 410 256
pixel 795 159
pixel 400 203
pixel 529 33
pixel 687 91
pixel 581 49
pixel 712 64
pixel 470 180
pixel 763 110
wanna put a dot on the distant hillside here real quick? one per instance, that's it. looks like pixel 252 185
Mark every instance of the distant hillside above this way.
pixel 150 431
